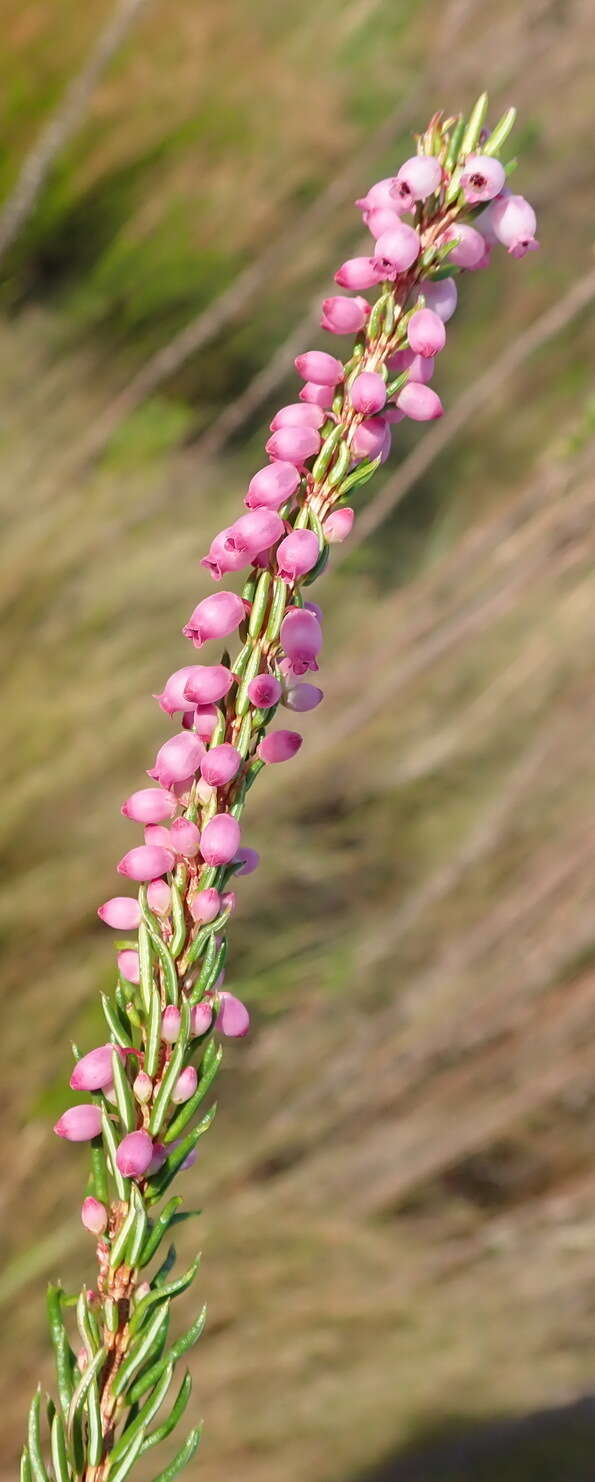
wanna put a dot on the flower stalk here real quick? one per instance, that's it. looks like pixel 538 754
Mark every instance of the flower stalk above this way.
pixel 145 1089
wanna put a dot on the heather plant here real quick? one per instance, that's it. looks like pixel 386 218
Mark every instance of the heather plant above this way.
pixel 144 1090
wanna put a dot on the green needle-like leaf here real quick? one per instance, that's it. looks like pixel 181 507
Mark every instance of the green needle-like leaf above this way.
pixel 161 1294
pixel 182 1458
pixel 145 1415
pixel 64 1357
pixel 38 1466
pixel 139 1351
pixel 144 1382
pixel 59 1451
pixel 174 1416
pixel 160 1229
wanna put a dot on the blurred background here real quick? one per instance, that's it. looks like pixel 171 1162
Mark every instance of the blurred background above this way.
pixel 399 1195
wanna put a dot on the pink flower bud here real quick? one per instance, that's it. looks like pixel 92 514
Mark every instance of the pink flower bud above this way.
pixel 338 525
pixel 297 554
pixel 317 366
pixel 293 444
pixel 380 220
pixel 185 837
pixel 514 223
pixel 149 805
pixel 233 1018
pixel 122 912
pixel 185 1085
pixel 263 691
pixel 94 1070
pixel 134 1154
pixel 298 414
pixel 201 1018
pixel 205 720
pixel 367 393
pixel 279 746
pixel 229 901
pixel 79 1123
pixel 311 607
pixel 257 531
pixel 189 1160
pixel 482 178
pixel 344 315
pixel 178 759
pixel 470 245
pixel 426 333
pixel 220 839
pixel 380 194
pixel 359 273
pixel 302 697
pixel 205 905
pixel 147 862
pixel 155 833
pixel 159 897
pixel 221 764
pixel 419 402
pixel 369 438
pixel 250 861
pixel 272 485
pixel 301 637
pixel 173 698
pixel 128 965
pixel 400 245
pixel 160 1153
pixel 417 179
pixel 207 683
pixel 215 617
pixel 170 1024
pixel 420 367
pixel 94 1215
pixel 142 1087
pixel 320 396
pixel 222 557
pixel 442 297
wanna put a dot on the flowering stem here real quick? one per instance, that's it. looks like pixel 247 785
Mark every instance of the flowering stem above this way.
pixel 149 1081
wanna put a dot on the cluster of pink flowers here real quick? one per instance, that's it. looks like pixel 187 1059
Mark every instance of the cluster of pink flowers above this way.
pixel 143 1086
pixel 295 510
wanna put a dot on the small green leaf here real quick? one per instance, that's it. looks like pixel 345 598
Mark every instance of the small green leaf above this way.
pixel 160 1229
pixel 139 1351
pixel 162 1180
pixel 127 1461
pixel 26 1474
pixel 163 1293
pixel 207 1076
pixel 136 1239
pixel 123 1093
pixel 174 1416
pixel 179 922
pixel 145 1415
pixel 38 1466
pixel 64 1357
pixel 94 1425
pixel 500 133
pixel 111 1147
pixel 277 610
pixel 115 1023
pixel 162 1099
pixel 259 604
pixel 150 1377
pixel 474 126
pixel 78 1399
pixel 145 960
pixel 59 1451
pixel 182 1458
